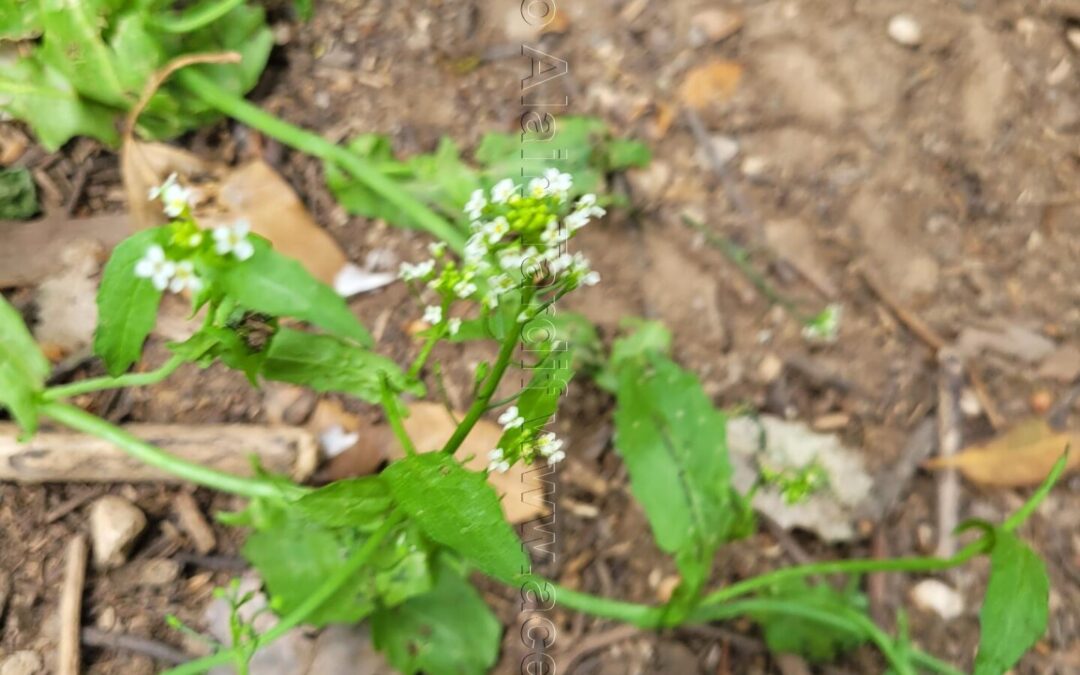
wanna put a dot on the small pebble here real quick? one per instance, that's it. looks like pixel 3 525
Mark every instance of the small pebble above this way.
pixel 157 572
pixel 905 30
pixel 115 523
pixel 931 595
pixel 1073 37
pixel 22 663
pixel 724 149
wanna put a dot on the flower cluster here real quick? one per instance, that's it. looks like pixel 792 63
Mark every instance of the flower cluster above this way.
pixel 174 268
pixel 518 237
pixel 547 446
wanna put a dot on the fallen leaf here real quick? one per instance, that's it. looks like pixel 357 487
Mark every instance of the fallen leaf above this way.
pixel 713 81
pixel 830 512
pixel 32 249
pixel 67 312
pixel 1021 456
pixel 430 426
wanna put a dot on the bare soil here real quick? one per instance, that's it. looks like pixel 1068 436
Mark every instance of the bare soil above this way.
pixel 948 171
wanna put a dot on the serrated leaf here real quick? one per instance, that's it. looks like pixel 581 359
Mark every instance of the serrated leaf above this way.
pixel 1016 605
pixel 19 20
pixel 817 642
pixel 23 368
pixel 449 630
pixel 673 442
pixel 274 284
pixel 458 509
pixel 72 44
pixel 127 305
pixel 326 363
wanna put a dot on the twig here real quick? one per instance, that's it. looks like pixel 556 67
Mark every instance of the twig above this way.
pixel 194 523
pixel 950 439
pixel 597 642
pixel 217 563
pixel 71 606
pixel 978 385
pixel 70 505
pixel 889 485
pixel 1058 414
pixel 916 325
pixel 159 651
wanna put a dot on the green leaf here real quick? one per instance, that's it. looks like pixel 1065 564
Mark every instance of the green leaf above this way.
pixel 274 284
pixel 326 363
pixel 23 368
pixel 623 154
pixel 459 509
pixel 72 44
pixel 673 442
pixel 817 642
pixel 212 343
pixel 294 556
pixel 648 337
pixel 356 502
pixel 446 631
pixel 19 20
pixel 127 305
pixel 43 97
pixel 18 195
pixel 540 399
pixel 1015 609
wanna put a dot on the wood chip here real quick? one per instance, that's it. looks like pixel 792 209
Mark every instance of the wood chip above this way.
pixel 193 523
pixel 71 606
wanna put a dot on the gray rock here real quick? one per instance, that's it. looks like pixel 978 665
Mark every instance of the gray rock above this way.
pixel 22 663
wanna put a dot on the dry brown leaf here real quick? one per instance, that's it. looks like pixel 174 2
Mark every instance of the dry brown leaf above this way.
pixel 1021 456
pixel 67 313
pixel 430 426
pixel 32 250
pixel 713 81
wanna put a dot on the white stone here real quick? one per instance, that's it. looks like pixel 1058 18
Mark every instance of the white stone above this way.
pixel 931 595
pixel 905 30
pixel 115 523
pixel 724 149
pixel 22 663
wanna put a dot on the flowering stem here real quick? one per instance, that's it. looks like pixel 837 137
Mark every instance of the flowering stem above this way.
pixel 80 420
pixel 393 416
pixel 313 144
pixel 327 590
pixel 100 383
pixel 425 352
pixel 480 403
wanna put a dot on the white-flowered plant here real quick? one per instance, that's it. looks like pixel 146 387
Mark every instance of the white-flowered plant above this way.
pixel 517 257
pixel 175 266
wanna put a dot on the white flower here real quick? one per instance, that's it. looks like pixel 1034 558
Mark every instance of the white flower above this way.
pixel 591 279
pixel 464 289
pixel 437 248
pixel 156 267
pixel 496 230
pixel 553 234
pixel 233 239
pixel 497 461
pixel 538 187
pixel 184 277
pixel 548 444
pixel 433 314
pixel 576 220
pixel 453 325
pixel 511 260
pixel 175 198
pixel 410 272
pixel 556 457
pixel 503 191
pixel 511 419
pixel 475 206
pixel 587 205
pixel 558 183
pixel 560 263
pixel 503 283
pixel 476 248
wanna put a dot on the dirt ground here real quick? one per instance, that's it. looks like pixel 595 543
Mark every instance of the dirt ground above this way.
pixel 946 171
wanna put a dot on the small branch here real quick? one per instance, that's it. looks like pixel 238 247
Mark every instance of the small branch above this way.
pixel 393 416
pixel 913 323
pixel 92 637
pixel 71 606
pixel 950 439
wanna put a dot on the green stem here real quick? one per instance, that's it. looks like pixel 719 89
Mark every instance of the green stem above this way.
pixel 480 403
pixel 323 593
pixel 313 144
pixel 83 421
pixel 425 352
pixel 196 17
pixel 393 415
pixel 99 383
pixel 925 564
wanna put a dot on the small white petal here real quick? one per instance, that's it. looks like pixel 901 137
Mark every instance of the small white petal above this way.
pixel 243 249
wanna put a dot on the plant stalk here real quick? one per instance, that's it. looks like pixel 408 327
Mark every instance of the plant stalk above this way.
pixel 327 590
pixel 80 420
pixel 99 383
pixel 313 144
